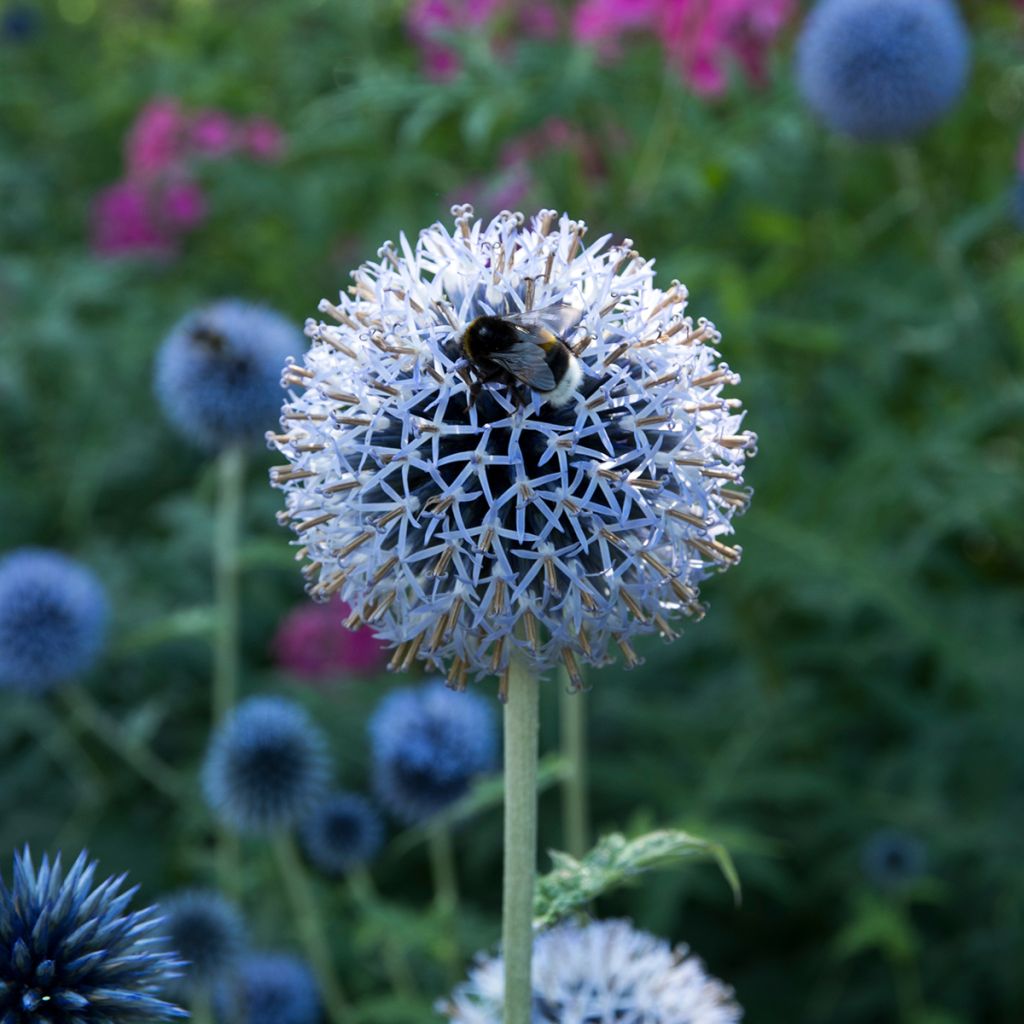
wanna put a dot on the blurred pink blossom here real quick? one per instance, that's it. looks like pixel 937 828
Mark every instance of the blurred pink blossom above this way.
pixel 157 140
pixel 262 138
pixel 312 643
pixel 183 205
pixel 212 133
pixel 123 222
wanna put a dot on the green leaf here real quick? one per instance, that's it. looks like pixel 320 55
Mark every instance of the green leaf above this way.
pixel 614 862
pixel 185 623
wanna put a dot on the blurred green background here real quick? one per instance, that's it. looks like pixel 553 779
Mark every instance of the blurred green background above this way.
pixel 860 671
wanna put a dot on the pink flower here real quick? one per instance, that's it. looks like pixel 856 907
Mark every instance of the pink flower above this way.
pixel 600 21
pixel 312 643
pixel 262 139
pixel 123 223
pixel 213 133
pixel 184 205
pixel 157 140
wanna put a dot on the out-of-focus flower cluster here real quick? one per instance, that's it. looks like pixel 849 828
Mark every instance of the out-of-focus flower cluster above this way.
pixel 159 199
pixel 702 39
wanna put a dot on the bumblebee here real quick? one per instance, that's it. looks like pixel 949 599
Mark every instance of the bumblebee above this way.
pixel 527 348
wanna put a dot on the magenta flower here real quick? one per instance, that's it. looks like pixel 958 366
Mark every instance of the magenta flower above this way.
pixel 312 643
pixel 123 222
pixel 157 140
pixel 262 139
pixel 184 205
pixel 213 133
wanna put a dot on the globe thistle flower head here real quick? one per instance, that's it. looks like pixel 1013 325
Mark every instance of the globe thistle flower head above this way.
pixel 341 832
pixel 71 951
pixel 53 614
pixel 218 372
pixel 269 988
pixel 882 69
pixel 207 933
pixel 465 519
pixel 428 745
pixel 604 972
pixel 266 766
pixel 891 858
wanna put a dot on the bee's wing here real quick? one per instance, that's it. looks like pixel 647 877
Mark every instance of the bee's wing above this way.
pixel 559 318
pixel 526 362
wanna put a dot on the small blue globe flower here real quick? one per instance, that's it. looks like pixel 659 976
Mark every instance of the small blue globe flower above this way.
pixel 53 613
pixel 269 988
pixel 206 931
pixel 72 953
pixel 429 743
pixel 266 767
pixel 218 373
pixel 342 831
pixel 882 69
pixel 890 858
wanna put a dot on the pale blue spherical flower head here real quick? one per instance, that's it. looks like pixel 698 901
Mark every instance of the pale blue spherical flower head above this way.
pixel 73 952
pixel 466 519
pixel 218 372
pixel 341 832
pixel 266 766
pixel 603 972
pixel 882 69
pixel 206 931
pixel 891 858
pixel 53 616
pixel 269 988
pixel 428 745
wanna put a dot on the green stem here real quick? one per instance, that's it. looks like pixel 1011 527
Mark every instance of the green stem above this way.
pixel 446 892
pixel 312 932
pixel 201 1006
pixel 365 896
pixel 88 714
pixel 226 564
pixel 575 811
pixel 522 728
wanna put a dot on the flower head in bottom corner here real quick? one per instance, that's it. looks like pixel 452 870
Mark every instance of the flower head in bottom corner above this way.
pixel 71 951
pixel 269 988
pixel 206 931
pixel 603 972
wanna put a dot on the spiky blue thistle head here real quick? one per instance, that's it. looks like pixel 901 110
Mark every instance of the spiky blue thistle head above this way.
pixel 53 614
pixel 206 931
pixel 269 988
pixel 467 522
pixel 882 69
pixel 603 972
pixel 428 744
pixel 218 372
pixel 891 858
pixel 342 831
pixel 266 766
pixel 72 952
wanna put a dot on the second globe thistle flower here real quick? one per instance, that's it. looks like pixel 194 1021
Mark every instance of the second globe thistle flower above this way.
pixel 466 530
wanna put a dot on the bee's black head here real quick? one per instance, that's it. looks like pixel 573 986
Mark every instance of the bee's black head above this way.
pixel 488 334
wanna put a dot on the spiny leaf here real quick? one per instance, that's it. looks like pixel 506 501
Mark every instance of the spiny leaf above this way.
pixel 616 861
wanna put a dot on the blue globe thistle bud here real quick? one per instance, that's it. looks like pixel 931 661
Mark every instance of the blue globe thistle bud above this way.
pixel 53 614
pixel 72 953
pixel 882 69
pixel 429 743
pixel 218 373
pixel 604 972
pixel 207 933
pixel 341 832
pixel 266 766
pixel 269 988
pixel 890 858
pixel 469 518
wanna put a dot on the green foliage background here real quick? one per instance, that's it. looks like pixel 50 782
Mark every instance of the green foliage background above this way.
pixel 860 669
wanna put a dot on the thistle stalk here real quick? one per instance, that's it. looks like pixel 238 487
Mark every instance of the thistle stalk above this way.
pixel 573 728
pixel 522 727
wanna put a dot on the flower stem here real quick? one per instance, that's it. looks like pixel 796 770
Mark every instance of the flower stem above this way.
pixel 226 545
pixel 522 727
pixel 575 811
pixel 446 891
pixel 305 906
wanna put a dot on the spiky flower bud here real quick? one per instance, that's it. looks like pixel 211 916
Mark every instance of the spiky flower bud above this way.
pixel 463 518
pixel 72 953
